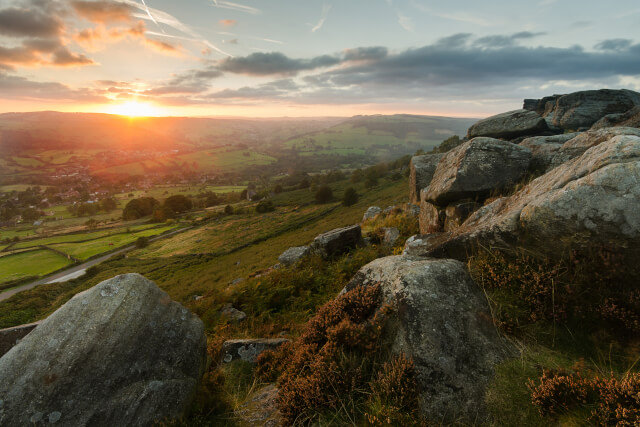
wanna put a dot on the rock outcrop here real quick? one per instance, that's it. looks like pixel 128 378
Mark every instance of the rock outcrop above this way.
pixel 337 242
pixel 440 320
pixel 591 200
pixel 421 170
pixel 293 255
pixel 121 353
pixel 630 118
pixel 544 148
pixel 248 350
pixel 391 236
pixel 511 124
pixel 583 109
pixel 475 168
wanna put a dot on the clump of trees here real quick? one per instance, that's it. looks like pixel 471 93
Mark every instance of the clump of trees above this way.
pixel 139 208
pixel 265 206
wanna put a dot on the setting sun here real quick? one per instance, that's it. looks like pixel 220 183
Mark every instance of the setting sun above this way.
pixel 135 109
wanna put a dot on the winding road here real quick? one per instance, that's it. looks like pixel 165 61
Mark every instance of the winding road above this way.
pixel 79 269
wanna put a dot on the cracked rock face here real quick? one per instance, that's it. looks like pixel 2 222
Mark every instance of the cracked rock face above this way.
pixel 511 124
pixel 441 320
pixel 121 353
pixel 474 169
pixel 421 170
pixel 593 199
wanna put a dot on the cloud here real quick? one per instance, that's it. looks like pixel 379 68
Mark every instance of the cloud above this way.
pixel 103 11
pixel 365 53
pixel 29 22
pixel 275 63
pixel 500 41
pixel 323 17
pixel 614 44
pixel 405 22
pixel 16 87
pixel 227 22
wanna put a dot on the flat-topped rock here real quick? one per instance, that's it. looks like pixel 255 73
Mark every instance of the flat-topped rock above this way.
pixel 511 124
pixel 475 169
pixel 337 242
pixel 119 354
pixel 293 255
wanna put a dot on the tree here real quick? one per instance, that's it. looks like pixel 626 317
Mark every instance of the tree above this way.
pixel 30 214
pixel 277 189
pixel 108 204
pixel 370 182
pixel 178 203
pixel 142 242
pixel 138 208
pixel 265 206
pixel 324 194
pixel 350 197
pixel 91 223
pixel 228 210
pixel 357 176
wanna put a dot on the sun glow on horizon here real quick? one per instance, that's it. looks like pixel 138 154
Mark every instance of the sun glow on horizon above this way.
pixel 135 109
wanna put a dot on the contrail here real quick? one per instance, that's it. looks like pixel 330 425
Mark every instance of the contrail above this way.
pixel 325 11
pixel 151 16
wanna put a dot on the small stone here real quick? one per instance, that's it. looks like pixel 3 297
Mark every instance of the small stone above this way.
pixel 37 417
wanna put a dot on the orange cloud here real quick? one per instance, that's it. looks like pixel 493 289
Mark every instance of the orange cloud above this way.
pixel 228 22
pixel 101 12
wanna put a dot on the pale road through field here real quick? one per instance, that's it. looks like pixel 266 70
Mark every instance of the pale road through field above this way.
pixel 75 271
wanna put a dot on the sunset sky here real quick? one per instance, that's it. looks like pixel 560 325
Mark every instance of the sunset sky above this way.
pixel 310 58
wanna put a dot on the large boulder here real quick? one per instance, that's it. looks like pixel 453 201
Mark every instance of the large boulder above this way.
pixel 421 170
pixel 293 255
pixel 475 169
pixel 337 242
pixel 511 124
pixel 583 109
pixel 590 201
pixel 630 118
pixel 371 212
pixel 120 354
pixel 441 320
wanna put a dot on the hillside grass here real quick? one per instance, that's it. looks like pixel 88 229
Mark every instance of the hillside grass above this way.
pixel 30 263
pixel 184 276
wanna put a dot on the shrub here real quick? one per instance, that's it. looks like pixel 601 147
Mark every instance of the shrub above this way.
pixel 350 197
pixel 324 194
pixel 265 206
pixel 142 242
pixel 228 210
pixel 611 401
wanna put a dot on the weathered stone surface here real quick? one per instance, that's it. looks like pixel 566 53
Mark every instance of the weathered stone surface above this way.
pixel 390 209
pixel 441 320
pixel 544 148
pixel 232 314
pixel 338 241
pixel 476 168
pixel 583 109
pixel 456 213
pixel 420 244
pixel 582 142
pixel 371 213
pixel 294 254
pixel 261 408
pixel 591 200
pixel 248 350
pixel 391 236
pixel 421 170
pixel 120 354
pixel 541 106
pixel 11 336
pixel 431 219
pixel 511 124
pixel 630 118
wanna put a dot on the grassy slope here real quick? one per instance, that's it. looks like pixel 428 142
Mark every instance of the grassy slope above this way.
pixel 30 263
pixel 188 275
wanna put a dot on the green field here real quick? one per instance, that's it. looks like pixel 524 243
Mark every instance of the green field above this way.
pixel 86 250
pixel 27 162
pixel 31 263
pixel 163 191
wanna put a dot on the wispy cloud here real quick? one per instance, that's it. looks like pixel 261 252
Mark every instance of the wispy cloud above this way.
pixel 222 4
pixel 323 17
pixel 468 18
pixel 267 40
pixel 405 22
pixel 151 16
